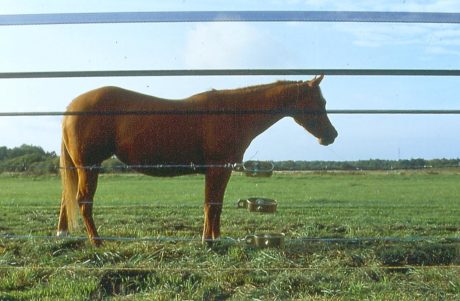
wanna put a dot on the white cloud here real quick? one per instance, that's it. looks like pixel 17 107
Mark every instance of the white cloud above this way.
pixel 437 50
pixel 377 35
pixel 218 45
pixel 234 45
pixel 433 39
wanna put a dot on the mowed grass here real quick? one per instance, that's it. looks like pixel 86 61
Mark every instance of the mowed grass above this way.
pixel 409 222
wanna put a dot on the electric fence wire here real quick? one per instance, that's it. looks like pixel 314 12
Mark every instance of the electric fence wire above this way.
pixel 242 240
pixel 127 168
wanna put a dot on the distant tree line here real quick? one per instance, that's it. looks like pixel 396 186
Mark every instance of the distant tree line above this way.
pixel 372 164
pixel 29 159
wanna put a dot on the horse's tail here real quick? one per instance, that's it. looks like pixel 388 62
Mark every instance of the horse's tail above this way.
pixel 69 178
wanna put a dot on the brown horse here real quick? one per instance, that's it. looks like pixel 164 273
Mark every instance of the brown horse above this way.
pixel 201 134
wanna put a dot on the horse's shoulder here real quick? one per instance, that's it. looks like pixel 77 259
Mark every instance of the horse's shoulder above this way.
pixel 94 97
pixel 109 90
pixel 113 93
pixel 99 93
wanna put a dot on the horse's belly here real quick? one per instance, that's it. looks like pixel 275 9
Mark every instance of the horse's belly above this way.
pixel 158 166
pixel 170 170
pixel 162 158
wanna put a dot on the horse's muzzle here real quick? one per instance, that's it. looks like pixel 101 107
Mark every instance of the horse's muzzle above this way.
pixel 328 139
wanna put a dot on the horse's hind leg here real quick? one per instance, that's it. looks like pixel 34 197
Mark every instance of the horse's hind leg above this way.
pixel 63 227
pixel 216 182
pixel 87 184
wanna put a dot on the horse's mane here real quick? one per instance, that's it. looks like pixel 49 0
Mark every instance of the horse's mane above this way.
pixel 246 90
pixel 257 87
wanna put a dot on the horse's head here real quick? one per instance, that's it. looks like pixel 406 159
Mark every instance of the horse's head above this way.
pixel 310 111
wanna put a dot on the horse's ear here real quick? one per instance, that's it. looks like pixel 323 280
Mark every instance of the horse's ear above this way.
pixel 315 81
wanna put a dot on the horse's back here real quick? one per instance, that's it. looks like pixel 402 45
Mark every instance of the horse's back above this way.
pixel 110 98
pixel 113 120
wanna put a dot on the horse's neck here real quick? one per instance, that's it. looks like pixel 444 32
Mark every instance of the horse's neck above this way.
pixel 269 105
pixel 272 97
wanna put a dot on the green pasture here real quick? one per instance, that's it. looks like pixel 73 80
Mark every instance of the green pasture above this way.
pixel 409 221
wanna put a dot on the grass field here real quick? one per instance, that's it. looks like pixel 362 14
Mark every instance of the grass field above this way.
pixel 420 210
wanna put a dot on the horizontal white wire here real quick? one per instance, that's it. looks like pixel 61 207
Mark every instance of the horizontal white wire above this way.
pixel 229 16
pixel 190 166
pixel 165 206
pixel 125 168
pixel 227 204
pixel 105 238
pixel 239 240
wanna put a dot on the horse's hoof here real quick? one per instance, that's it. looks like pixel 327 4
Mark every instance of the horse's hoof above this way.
pixel 97 242
pixel 62 233
pixel 211 242
pixel 208 242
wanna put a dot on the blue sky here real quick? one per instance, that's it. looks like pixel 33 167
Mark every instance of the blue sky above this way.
pixel 246 45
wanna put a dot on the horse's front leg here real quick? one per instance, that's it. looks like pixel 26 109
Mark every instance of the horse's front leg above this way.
pixel 216 182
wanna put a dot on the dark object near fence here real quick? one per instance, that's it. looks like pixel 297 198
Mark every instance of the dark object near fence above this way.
pixel 258 168
pixel 258 205
pixel 265 240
